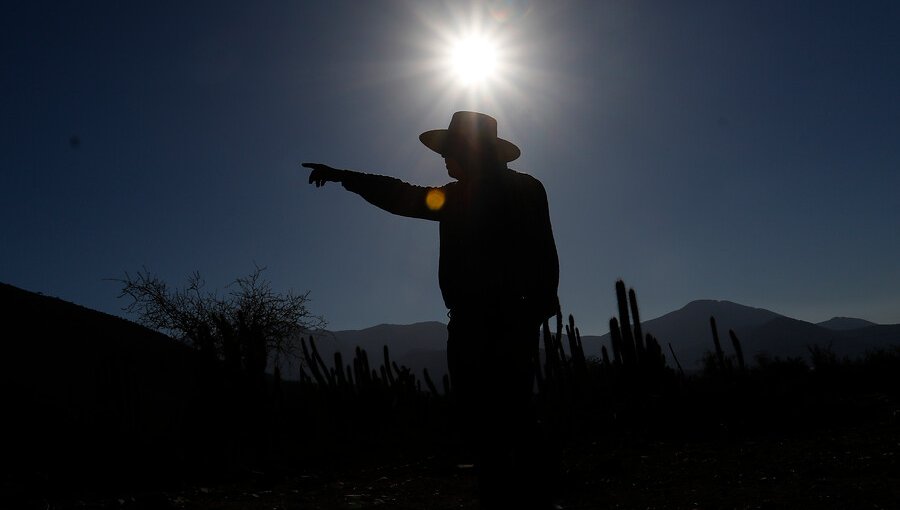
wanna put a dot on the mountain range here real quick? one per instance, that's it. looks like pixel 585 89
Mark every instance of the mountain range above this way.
pixel 760 331
pixel 87 392
pixel 687 330
pixel 63 328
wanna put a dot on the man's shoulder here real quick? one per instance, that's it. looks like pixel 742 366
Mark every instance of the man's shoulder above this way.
pixel 522 175
pixel 525 179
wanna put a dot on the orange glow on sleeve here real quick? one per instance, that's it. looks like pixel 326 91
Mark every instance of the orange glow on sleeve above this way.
pixel 434 199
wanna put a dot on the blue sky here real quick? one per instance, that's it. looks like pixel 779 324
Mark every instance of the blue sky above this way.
pixel 745 151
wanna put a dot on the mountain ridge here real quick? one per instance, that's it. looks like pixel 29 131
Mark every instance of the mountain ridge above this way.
pixel 846 323
pixel 423 344
pixel 760 331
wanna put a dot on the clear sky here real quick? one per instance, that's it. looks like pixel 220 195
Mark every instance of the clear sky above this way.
pixel 747 151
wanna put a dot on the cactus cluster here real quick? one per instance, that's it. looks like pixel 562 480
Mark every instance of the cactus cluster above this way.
pixel 358 376
pixel 363 400
pixel 719 362
pixel 632 349
pixel 579 393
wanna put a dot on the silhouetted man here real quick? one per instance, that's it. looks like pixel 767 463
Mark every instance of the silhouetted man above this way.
pixel 498 275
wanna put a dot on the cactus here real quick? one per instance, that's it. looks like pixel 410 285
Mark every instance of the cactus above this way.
pixel 551 354
pixel 638 334
pixel 720 355
pixel 350 381
pixel 575 347
pixel 387 364
pixel 339 370
pixel 560 370
pixel 318 362
pixel 616 340
pixel 628 348
pixel 675 358
pixel 365 374
pixel 431 387
pixel 557 340
pixel 311 363
pixel 738 350
pixel 653 356
pixel 358 374
pixel 303 377
pixel 399 370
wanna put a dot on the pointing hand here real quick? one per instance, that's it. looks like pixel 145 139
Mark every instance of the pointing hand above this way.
pixel 323 173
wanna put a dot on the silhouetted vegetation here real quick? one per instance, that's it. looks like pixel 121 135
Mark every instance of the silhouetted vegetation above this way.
pixel 134 407
pixel 245 328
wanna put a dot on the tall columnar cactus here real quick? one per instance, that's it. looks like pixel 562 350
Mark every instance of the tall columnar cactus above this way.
pixel 638 334
pixel 318 359
pixel 628 350
pixel 557 340
pixel 350 380
pixel 653 356
pixel 361 368
pixel 397 369
pixel 615 338
pixel 339 370
pixel 632 347
pixel 720 354
pixel 387 365
pixel 675 359
pixel 303 377
pixel 428 382
pixel 311 362
pixel 738 350
pixel 551 354
pixel 559 371
pixel 575 348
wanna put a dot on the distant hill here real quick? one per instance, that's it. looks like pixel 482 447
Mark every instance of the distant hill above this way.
pixel 687 329
pixel 420 345
pixel 424 344
pixel 417 346
pixel 845 323
pixel 760 330
pixel 76 384
pixel 64 342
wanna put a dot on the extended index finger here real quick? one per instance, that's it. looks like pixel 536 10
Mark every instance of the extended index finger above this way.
pixel 313 167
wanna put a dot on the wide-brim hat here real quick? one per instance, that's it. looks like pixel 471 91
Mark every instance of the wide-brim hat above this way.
pixel 473 129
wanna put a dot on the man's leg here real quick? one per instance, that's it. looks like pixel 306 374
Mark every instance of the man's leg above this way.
pixel 491 363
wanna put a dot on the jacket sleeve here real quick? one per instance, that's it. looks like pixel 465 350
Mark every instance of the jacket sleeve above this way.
pixel 396 196
pixel 546 284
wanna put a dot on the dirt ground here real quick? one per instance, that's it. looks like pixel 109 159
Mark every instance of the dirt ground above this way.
pixel 855 468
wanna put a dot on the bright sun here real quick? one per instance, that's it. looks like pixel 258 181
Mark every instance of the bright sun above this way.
pixel 473 60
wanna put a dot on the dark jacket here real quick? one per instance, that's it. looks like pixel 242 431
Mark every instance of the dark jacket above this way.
pixel 497 245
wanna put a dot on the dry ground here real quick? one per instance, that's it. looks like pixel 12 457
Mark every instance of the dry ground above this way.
pixel 855 468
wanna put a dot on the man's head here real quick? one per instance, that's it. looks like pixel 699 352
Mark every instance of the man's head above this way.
pixel 470 144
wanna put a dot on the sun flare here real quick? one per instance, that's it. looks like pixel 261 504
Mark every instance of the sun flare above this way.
pixel 473 59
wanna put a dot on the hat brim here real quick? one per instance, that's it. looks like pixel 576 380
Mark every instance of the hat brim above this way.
pixel 436 140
